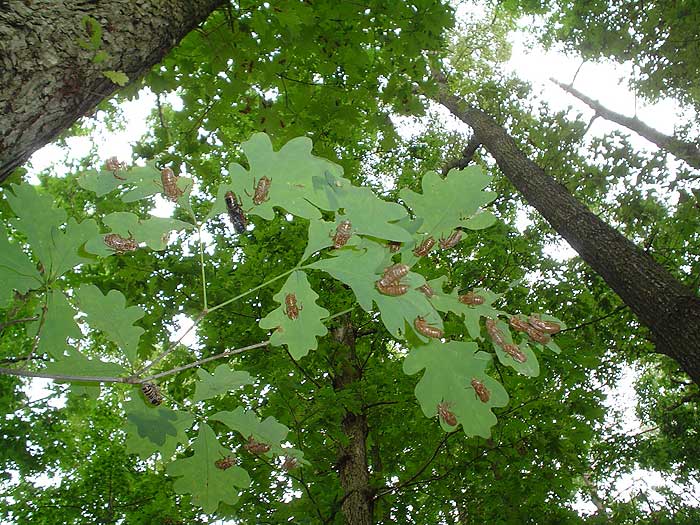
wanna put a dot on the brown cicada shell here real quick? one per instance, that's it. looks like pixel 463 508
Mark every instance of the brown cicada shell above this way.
pixel 515 352
pixel 292 308
pixel 446 414
pixel 151 392
pixel 481 391
pixel 427 290
pixel 518 324
pixel 537 336
pixel 112 164
pixel 451 241
pixel 169 181
pixel 394 246
pixel 290 463
pixel 342 234
pixel 120 244
pixel 393 274
pixel 391 288
pixel 424 247
pixel 225 463
pixel 495 333
pixel 235 212
pixel 422 326
pixel 256 447
pixel 261 190
pixel 548 327
pixel 471 299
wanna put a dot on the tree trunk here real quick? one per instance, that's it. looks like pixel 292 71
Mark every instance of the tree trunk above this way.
pixel 48 80
pixel 662 303
pixel 687 151
pixel 358 499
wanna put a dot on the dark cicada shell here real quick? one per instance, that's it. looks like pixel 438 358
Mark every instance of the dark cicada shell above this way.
pixel 121 244
pixel 481 391
pixel 424 247
pixel 151 392
pixel 394 246
pixel 452 240
pixel 446 414
pixel 235 212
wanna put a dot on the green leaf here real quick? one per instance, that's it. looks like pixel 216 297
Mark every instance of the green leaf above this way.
pixel 222 381
pixel 298 334
pixel 449 370
pixel 17 272
pixel 268 431
pixel 530 367
pixel 109 314
pixel 450 202
pixel 118 77
pixel 358 267
pixel 480 221
pixel 320 236
pixel 199 476
pixel 77 364
pixel 65 254
pixel 94 31
pixel 59 325
pixel 99 57
pixel 145 437
pixel 301 183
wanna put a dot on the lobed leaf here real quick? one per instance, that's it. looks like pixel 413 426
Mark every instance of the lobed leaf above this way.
pixel 17 272
pixel 268 431
pixel 152 429
pixel 223 380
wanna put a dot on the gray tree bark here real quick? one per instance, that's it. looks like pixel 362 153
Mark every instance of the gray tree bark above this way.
pixel 48 80
pixel 669 309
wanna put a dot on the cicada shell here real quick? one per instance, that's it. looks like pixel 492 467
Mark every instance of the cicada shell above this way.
pixel 391 288
pixel 343 232
pixel 112 164
pixel 120 244
pixel 481 391
pixel 292 308
pixel 261 190
pixel 393 274
pixel 225 463
pixel 548 327
pixel 518 324
pixel 446 414
pixel 169 181
pixel 537 336
pixel 427 290
pixel 451 241
pixel 471 298
pixel 151 392
pixel 235 212
pixel 290 463
pixel 515 352
pixel 422 326
pixel 394 246
pixel 256 447
pixel 495 333
pixel 424 247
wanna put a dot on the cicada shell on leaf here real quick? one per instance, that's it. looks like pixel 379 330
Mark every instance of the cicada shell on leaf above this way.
pixel 225 463
pixel 427 290
pixel 290 463
pixel 120 244
pixel 515 352
pixel 481 391
pixel 548 327
pixel 261 190
pixel 151 393
pixel 518 324
pixel 422 326
pixel 424 248
pixel 451 241
pixel 235 212
pixel 446 414
pixel 391 288
pixel 169 181
pixel 537 336
pixel 112 164
pixel 393 274
pixel 343 232
pixel 292 308
pixel 256 447
pixel 471 299
pixel 495 333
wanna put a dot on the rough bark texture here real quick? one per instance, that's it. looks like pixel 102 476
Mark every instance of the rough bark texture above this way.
pixel 358 499
pixel 669 309
pixel 48 81
pixel 683 150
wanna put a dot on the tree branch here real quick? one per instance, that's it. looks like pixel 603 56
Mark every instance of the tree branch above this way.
pixel 466 157
pixel 686 151
pixel 597 320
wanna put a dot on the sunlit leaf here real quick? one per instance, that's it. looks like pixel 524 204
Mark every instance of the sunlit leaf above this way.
pixel 223 380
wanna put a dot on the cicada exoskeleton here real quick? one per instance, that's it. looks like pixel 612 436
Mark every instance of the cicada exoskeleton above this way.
pixel 291 307
pixel 151 393
pixel 537 336
pixel 343 232
pixel 427 290
pixel 495 333
pixel 394 246
pixel 548 327
pixel 169 181
pixel 391 288
pixel 471 299
pixel 518 324
pixel 120 244
pixel 451 241
pixel 393 274
pixel 112 164
pixel 235 212
pixel 422 327
pixel 256 447
pixel 424 248
pixel 262 188
pixel 225 463
pixel 515 352
pixel 290 463
pixel 446 414
pixel 481 391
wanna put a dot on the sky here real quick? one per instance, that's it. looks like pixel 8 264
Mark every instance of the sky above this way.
pixel 603 82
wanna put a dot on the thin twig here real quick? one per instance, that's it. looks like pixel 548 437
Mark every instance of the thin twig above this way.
pixel 15 321
pixel 61 377
pixel 593 321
